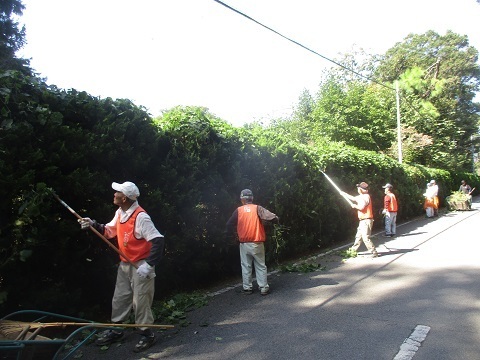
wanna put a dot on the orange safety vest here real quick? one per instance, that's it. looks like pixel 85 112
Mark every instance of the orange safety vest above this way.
pixel 135 249
pixel 367 211
pixel 249 225
pixel 392 206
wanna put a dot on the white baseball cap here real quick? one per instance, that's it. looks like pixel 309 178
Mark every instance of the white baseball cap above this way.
pixel 128 188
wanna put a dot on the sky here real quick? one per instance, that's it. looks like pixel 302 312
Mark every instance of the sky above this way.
pixel 165 53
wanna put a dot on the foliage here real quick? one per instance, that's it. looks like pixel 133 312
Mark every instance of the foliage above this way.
pixel 12 36
pixel 190 167
pixel 347 254
pixel 174 310
pixel 437 76
pixel 356 114
pixel 440 76
pixel 303 267
pixel 458 196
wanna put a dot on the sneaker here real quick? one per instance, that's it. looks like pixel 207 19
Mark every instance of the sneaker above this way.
pixel 374 255
pixel 109 337
pixel 264 292
pixel 145 342
pixel 387 235
pixel 247 291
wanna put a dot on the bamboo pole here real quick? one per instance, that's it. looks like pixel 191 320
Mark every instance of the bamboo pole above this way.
pixel 117 250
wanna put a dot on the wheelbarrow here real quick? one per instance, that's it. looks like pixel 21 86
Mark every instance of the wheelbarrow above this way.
pixel 32 334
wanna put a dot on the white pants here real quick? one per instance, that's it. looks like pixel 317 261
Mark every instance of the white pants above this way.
pixel 132 292
pixel 390 223
pixel 253 252
pixel 429 211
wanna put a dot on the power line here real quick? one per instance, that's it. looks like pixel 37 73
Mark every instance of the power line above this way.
pixel 301 45
pixel 313 51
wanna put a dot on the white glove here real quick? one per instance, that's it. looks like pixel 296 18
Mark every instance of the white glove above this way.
pixel 146 271
pixel 384 211
pixel 85 223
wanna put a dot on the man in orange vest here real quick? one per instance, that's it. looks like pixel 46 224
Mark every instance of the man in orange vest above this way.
pixel 390 209
pixel 363 204
pixel 140 241
pixel 246 222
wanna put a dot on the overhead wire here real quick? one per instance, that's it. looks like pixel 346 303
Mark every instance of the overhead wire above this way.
pixel 310 50
pixel 300 44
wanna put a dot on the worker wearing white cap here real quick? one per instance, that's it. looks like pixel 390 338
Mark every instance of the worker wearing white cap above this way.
pixel 143 245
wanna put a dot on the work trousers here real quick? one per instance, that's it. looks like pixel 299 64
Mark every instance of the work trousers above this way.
pixel 253 252
pixel 364 231
pixel 390 223
pixel 133 292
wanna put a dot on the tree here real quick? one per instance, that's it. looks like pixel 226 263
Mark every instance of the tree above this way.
pixel 12 36
pixel 440 76
pixel 356 113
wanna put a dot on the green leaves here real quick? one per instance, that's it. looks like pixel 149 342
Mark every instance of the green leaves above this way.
pixel 303 268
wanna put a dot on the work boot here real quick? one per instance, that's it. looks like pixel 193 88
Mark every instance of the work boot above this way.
pixel 108 337
pixel 146 340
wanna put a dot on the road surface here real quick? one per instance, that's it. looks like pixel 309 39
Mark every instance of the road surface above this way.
pixel 419 300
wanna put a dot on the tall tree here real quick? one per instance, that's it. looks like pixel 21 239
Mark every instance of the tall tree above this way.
pixel 12 36
pixel 444 71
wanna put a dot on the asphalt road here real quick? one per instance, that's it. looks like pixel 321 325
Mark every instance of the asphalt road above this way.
pixel 419 300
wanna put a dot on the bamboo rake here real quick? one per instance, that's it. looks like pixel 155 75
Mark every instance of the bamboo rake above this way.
pixel 11 327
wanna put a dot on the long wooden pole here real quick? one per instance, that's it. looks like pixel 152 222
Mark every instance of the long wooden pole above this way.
pixel 117 250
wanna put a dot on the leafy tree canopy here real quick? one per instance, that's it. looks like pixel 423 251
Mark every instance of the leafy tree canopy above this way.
pixel 443 71
pixel 12 36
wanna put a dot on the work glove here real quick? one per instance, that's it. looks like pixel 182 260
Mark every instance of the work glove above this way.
pixel 146 271
pixel 85 223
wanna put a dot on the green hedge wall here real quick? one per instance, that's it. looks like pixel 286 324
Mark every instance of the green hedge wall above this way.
pixel 190 167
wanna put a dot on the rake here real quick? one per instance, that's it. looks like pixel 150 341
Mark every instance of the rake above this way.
pixel 19 330
pixel 105 240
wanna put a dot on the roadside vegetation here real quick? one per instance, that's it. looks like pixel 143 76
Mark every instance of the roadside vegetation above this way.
pixel 190 167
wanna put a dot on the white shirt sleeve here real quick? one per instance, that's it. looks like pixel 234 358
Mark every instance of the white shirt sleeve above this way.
pixel 144 227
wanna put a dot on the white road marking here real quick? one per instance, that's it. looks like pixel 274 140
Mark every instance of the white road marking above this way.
pixel 412 343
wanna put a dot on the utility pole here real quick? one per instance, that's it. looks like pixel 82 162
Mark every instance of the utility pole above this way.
pixel 399 132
